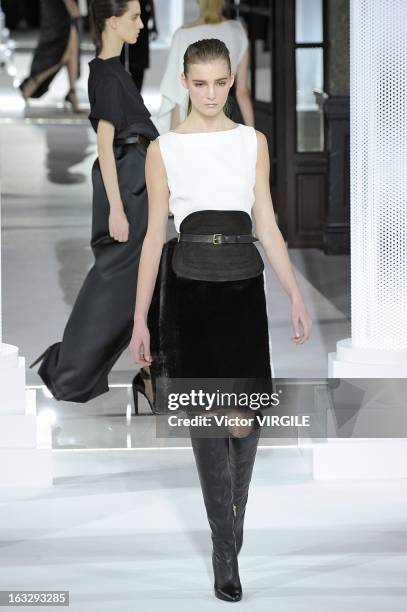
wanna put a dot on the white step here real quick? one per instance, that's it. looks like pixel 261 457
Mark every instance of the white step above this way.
pixel 17 431
pixel 29 467
pixel 12 381
pixel 354 459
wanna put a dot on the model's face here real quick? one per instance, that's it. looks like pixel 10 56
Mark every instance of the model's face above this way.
pixel 208 86
pixel 128 26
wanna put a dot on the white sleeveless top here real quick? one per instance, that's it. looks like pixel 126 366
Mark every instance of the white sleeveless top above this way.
pixel 231 32
pixel 210 170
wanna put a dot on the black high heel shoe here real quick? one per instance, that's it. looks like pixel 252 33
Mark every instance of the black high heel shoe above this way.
pixel 140 387
pixel 40 358
pixel 71 99
pixel 24 84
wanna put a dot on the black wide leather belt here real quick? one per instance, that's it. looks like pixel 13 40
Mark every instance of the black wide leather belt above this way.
pixel 134 139
pixel 218 238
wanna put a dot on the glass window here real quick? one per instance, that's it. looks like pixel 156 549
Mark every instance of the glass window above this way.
pixel 310 99
pixel 308 21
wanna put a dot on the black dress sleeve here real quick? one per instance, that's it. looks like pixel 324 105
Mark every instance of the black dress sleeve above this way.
pixel 108 102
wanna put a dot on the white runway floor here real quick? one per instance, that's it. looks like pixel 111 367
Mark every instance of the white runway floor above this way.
pixel 126 531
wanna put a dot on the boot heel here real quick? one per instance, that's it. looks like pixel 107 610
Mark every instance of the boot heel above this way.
pixel 135 400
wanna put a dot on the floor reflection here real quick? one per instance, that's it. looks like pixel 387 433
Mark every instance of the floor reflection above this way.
pixel 108 422
pixel 64 152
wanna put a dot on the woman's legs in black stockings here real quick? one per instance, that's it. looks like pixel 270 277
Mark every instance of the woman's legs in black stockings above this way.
pixel 242 455
pixel 225 467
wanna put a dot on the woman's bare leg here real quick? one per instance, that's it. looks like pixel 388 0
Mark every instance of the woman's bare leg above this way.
pixel 71 57
pixel 33 83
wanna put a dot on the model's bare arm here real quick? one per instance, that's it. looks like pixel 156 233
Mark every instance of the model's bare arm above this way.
pixel 118 223
pixel 242 90
pixel 273 243
pixel 158 195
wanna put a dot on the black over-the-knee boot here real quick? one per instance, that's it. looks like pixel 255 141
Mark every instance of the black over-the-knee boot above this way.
pixel 242 454
pixel 212 461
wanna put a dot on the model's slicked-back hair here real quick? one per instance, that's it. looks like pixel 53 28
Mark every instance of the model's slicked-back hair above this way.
pixel 205 51
pixel 99 11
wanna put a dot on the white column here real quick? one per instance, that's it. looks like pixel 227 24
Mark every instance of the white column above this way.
pixel 170 16
pixel 378 151
pixel 25 440
pixel 378 157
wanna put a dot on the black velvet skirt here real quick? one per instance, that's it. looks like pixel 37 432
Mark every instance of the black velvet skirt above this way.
pixel 208 330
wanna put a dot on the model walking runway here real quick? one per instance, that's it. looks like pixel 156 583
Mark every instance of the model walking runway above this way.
pixel 208 317
pixel 100 325
pixel 58 45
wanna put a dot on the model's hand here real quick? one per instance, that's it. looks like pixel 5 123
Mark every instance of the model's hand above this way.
pixel 140 344
pixel 73 8
pixel 301 321
pixel 118 225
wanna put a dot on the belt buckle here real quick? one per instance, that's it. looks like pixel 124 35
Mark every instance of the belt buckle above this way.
pixel 217 239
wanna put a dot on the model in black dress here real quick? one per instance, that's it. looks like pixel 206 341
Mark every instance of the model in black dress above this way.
pixel 100 325
pixel 58 45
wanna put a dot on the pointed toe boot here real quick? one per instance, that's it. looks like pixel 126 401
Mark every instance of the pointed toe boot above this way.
pixel 212 461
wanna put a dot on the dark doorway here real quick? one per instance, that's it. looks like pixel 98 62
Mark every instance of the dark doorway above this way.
pixel 288 83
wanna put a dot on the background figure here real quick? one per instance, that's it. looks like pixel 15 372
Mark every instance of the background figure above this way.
pixel 100 324
pixel 58 46
pixel 17 11
pixel 210 24
pixel 136 58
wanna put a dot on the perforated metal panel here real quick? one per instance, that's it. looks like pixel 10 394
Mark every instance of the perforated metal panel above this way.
pixel 1 302
pixel 379 173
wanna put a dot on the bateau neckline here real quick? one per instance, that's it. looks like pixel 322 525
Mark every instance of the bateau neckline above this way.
pixel 108 59
pixel 199 133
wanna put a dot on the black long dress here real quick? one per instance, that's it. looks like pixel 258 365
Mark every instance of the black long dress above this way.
pixel 100 325
pixel 55 26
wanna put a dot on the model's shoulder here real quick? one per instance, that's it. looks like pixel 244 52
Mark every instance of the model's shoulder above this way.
pixel 154 147
pixel 190 24
pixel 236 24
pixel 252 133
pixel 162 137
pixel 107 73
pixel 261 138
